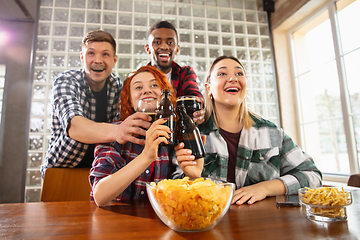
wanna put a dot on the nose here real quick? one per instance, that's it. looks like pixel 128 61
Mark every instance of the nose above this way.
pixel 146 91
pixel 233 78
pixel 164 45
pixel 98 58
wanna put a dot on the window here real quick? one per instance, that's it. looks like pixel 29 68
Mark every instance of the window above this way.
pixel 326 53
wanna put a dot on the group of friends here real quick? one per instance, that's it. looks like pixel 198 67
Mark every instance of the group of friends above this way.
pixel 95 125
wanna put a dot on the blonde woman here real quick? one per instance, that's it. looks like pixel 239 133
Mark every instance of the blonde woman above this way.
pixel 243 148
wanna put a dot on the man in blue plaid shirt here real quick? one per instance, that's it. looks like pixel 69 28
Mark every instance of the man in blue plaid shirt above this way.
pixel 85 105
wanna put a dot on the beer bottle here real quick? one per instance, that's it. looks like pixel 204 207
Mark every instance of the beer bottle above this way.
pixel 166 110
pixel 188 133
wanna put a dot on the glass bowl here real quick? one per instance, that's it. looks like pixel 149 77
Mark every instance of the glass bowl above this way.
pixel 196 208
pixel 326 204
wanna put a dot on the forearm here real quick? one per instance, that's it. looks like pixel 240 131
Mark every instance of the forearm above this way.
pixel 111 186
pixel 273 187
pixel 87 131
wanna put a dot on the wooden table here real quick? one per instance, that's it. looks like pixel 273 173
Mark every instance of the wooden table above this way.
pixel 84 220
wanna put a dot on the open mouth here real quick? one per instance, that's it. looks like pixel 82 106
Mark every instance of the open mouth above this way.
pixel 98 70
pixel 164 57
pixel 232 89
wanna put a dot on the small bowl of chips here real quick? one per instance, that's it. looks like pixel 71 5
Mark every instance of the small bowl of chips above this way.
pixel 190 205
pixel 325 204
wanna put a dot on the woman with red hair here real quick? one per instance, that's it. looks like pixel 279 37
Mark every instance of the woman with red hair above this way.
pixel 120 171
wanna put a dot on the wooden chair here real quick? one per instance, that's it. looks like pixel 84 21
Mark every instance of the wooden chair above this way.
pixel 354 180
pixel 66 184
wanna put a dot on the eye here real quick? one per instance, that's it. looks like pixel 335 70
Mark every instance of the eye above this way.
pixel 220 74
pixel 171 42
pixel 155 85
pixel 138 87
pixel 106 54
pixel 90 53
pixel 157 42
pixel 240 74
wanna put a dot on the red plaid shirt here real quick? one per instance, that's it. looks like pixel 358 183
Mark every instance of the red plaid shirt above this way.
pixel 183 80
pixel 111 157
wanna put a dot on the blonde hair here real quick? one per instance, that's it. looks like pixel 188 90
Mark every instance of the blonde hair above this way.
pixel 210 109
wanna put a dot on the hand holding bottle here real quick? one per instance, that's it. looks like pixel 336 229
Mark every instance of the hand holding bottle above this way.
pixel 157 134
pixel 191 167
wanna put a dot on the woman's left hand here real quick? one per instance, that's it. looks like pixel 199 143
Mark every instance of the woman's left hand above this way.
pixel 258 191
pixel 249 194
pixel 192 168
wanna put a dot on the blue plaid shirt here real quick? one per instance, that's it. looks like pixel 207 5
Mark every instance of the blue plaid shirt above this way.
pixel 110 158
pixel 72 97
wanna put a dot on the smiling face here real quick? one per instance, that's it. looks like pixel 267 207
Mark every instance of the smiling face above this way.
pixel 227 84
pixel 144 86
pixel 98 59
pixel 163 46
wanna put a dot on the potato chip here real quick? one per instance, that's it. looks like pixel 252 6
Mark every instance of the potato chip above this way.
pixel 191 205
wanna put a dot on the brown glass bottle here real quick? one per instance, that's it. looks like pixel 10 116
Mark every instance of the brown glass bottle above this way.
pixel 166 110
pixel 188 133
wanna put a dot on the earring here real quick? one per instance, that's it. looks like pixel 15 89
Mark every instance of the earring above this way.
pixel 211 96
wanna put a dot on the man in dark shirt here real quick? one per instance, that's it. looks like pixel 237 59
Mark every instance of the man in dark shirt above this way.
pixel 163 47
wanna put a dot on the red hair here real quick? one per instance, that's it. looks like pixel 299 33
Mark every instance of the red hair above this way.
pixel 124 104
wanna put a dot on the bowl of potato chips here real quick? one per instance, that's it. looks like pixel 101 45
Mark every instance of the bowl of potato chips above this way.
pixel 190 205
pixel 326 204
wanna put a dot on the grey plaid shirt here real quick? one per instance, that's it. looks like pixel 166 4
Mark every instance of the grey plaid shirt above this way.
pixel 72 97
pixel 264 153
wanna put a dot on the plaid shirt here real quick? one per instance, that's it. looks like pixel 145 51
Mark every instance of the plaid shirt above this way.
pixel 72 97
pixel 183 80
pixel 264 153
pixel 110 158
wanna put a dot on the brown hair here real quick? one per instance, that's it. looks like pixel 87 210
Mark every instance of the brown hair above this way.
pixel 124 104
pixel 244 113
pixel 99 36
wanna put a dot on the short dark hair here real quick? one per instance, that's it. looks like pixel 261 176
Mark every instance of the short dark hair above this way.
pixel 162 24
pixel 99 36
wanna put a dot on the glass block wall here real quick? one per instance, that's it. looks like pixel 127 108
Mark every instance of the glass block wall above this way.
pixel 206 28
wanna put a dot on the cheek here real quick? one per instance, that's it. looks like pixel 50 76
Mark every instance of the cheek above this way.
pixel 158 94
pixel 134 100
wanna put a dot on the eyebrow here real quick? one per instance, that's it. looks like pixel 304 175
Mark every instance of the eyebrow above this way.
pixel 225 67
pixel 93 49
pixel 158 38
pixel 138 81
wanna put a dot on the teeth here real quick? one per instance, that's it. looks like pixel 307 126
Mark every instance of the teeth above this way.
pixel 98 69
pixel 232 90
pixel 163 55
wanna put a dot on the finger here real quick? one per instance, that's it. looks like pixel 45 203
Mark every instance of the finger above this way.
pixel 183 152
pixel 199 113
pixel 184 164
pixel 153 135
pixel 252 200
pixel 200 99
pixel 140 115
pixel 244 199
pixel 179 146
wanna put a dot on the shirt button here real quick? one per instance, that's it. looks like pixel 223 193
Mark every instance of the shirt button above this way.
pixel 142 192
pixel 147 171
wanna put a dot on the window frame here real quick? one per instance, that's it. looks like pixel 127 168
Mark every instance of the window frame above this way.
pixel 330 6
